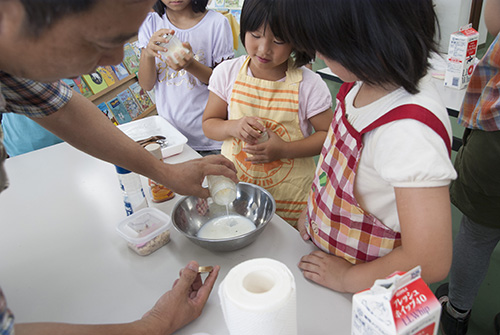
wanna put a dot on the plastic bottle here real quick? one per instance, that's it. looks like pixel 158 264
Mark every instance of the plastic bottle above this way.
pixel 159 193
pixel 222 189
pixel 133 194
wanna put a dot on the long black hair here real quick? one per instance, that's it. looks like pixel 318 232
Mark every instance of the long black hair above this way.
pixel 379 41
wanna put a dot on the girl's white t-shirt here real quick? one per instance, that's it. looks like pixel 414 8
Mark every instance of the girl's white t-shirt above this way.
pixel 403 153
pixel 314 95
pixel 180 97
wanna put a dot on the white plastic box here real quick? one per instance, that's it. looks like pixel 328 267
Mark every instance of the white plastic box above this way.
pixel 156 125
pixel 401 304
pixel 461 57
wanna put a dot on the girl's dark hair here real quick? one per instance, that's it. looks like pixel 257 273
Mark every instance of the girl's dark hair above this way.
pixel 40 15
pixel 199 6
pixel 258 13
pixel 379 41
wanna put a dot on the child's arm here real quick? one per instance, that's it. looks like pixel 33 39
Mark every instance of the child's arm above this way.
pixel 216 126
pixel 491 15
pixel 186 61
pixel 426 240
pixel 147 66
pixel 275 148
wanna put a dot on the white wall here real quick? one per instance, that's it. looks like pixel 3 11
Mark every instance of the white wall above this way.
pixel 453 14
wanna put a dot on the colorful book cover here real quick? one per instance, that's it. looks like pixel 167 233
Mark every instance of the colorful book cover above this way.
pixel 219 4
pixel 105 109
pixel 237 14
pixel 152 96
pixel 141 96
pixel 120 71
pixel 128 100
pixel 83 87
pixel 95 82
pixel 119 111
pixel 137 50
pixel 107 74
pixel 130 59
pixel 232 3
pixel 71 83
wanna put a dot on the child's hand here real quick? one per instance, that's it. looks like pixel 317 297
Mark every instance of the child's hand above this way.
pixel 327 270
pixel 182 58
pixel 153 48
pixel 248 129
pixel 267 151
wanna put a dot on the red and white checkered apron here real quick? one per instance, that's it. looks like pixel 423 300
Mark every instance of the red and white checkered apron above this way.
pixel 335 221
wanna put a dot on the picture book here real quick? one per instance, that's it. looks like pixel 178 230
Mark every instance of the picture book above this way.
pixel 232 3
pixel 128 101
pixel 141 96
pixel 137 50
pixel 219 4
pixel 130 59
pixel 83 87
pixel 95 82
pixel 105 109
pixel 152 96
pixel 120 71
pixel 119 111
pixel 71 83
pixel 107 74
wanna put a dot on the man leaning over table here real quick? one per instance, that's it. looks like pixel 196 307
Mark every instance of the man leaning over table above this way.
pixel 43 41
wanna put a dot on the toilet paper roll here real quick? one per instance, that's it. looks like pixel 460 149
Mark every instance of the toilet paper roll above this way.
pixel 258 296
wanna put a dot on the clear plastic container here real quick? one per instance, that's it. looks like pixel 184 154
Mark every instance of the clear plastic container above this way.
pixel 222 189
pixel 173 46
pixel 146 230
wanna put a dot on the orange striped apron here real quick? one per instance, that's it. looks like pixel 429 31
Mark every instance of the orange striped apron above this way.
pixel 277 104
pixel 335 221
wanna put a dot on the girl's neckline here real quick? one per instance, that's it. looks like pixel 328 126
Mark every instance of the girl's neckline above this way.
pixel 368 94
pixel 193 19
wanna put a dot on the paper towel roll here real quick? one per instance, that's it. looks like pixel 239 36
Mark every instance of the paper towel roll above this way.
pixel 258 296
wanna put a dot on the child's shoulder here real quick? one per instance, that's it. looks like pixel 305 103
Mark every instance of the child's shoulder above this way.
pixel 231 65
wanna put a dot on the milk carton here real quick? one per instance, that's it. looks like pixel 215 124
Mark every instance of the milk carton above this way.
pixel 401 304
pixel 461 57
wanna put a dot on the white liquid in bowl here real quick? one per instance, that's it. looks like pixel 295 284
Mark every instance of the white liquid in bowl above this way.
pixel 226 227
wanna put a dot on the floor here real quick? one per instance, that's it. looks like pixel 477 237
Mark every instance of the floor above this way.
pixel 487 303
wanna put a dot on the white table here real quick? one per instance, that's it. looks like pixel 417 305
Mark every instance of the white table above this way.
pixel 62 260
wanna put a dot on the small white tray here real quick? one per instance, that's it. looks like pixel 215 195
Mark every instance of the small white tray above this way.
pixel 156 125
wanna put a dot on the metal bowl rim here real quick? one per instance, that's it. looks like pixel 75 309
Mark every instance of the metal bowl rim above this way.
pixel 260 227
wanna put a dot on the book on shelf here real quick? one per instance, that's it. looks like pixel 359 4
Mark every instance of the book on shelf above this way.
pixel 107 74
pixel 152 95
pixel 128 101
pixel 119 110
pixel 71 83
pixel 136 49
pixel 141 96
pixel 95 82
pixel 105 109
pixel 83 87
pixel 120 71
pixel 130 59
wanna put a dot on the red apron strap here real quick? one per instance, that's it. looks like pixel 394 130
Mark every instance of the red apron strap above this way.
pixel 415 112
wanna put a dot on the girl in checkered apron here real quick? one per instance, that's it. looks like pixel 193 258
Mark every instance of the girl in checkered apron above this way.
pixel 379 201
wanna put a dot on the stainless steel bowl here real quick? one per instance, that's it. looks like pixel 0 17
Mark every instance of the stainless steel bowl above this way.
pixel 252 201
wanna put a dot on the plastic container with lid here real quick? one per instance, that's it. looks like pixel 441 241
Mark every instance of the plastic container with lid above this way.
pixel 173 46
pixel 146 230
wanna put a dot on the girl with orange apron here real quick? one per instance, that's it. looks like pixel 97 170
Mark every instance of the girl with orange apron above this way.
pixel 277 104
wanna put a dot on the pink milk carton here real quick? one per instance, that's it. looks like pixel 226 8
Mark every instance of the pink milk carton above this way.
pixel 401 304
pixel 461 57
